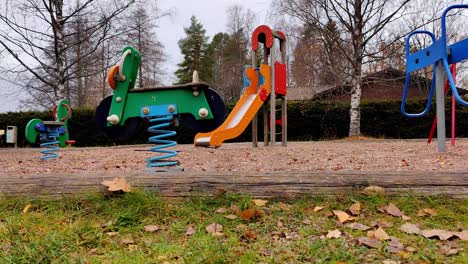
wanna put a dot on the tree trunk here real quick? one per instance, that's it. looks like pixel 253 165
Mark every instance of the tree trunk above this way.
pixel 355 109
pixel 58 28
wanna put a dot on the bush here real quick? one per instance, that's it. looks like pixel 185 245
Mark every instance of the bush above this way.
pixel 307 120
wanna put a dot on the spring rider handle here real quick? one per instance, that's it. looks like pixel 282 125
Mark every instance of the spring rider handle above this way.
pixel 454 53
pixel 416 61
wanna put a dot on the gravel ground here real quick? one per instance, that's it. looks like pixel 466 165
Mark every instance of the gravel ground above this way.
pixel 361 155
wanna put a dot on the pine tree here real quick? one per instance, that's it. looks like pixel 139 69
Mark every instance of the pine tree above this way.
pixel 195 49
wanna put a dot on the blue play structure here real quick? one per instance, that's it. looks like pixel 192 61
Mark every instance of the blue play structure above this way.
pixel 440 56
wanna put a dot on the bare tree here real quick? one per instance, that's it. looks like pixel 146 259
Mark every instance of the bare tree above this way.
pixel 139 31
pixel 360 22
pixel 35 37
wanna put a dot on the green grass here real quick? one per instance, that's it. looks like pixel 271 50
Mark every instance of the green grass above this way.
pixel 91 229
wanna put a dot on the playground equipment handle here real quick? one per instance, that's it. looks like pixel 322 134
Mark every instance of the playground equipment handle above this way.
pixel 445 58
pixel 408 76
pixel 54 112
pixel 120 64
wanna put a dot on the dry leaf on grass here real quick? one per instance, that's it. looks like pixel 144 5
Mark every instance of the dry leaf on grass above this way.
pixel 405 218
pixel 380 234
pixel 283 206
pixel 374 190
pixel 26 208
pixel 276 235
pixel 441 234
pixel 260 202
pixel 231 216
pixel 221 210
pixel 318 208
pixel 381 224
pixel 215 229
pixel 394 246
pixel 334 234
pixel 234 208
pixel 358 226
pixel 117 184
pixel 370 242
pixel 127 241
pixel 450 249
pixel 355 209
pixel 427 211
pixel 249 213
pixel 391 209
pixel 342 216
pixel 307 222
pixel 151 228
pixel 190 230
pixel 249 235
pixel 410 229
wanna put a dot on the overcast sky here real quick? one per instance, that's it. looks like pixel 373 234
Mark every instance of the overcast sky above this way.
pixel 211 13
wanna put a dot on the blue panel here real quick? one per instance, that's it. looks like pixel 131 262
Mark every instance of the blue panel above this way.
pixel 425 57
pixel 458 51
pixel 158 110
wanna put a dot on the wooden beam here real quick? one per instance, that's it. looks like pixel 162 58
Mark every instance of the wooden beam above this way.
pixel 257 184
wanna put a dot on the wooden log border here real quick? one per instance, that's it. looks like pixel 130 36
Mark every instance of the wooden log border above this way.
pixel 257 184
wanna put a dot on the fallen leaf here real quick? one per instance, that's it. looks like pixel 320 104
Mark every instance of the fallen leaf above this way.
pixel 427 211
pixel 318 208
pixel 260 202
pixel 410 249
pixel 249 213
pixel 369 242
pixel 391 261
pixel 334 234
pixel 276 235
pixel 374 190
pixel 391 209
pixel 463 235
pixel 215 229
pixel 112 234
pixel 380 234
pixel 405 218
pixel 190 230
pixel 280 224
pixel 26 208
pixel 449 249
pixel 355 209
pixel 441 234
pixel 127 241
pixel 307 222
pixel 292 236
pixel 381 224
pixel 234 208
pixel 283 206
pixel 151 228
pixel 250 235
pixel 328 213
pixel 394 246
pixel 231 216
pixel 342 216
pixel 358 226
pixel 117 184
pixel 221 210
pixel 410 229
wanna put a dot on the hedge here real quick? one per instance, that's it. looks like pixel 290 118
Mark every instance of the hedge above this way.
pixel 316 120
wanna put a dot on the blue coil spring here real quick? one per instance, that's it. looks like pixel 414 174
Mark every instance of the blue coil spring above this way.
pixel 50 144
pixel 162 160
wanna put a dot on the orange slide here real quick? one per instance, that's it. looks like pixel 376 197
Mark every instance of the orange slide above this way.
pixel 245 110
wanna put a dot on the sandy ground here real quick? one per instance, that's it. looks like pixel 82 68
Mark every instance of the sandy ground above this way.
pixel 363 155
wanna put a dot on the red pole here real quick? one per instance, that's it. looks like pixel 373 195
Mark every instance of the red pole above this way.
pixel 453 71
